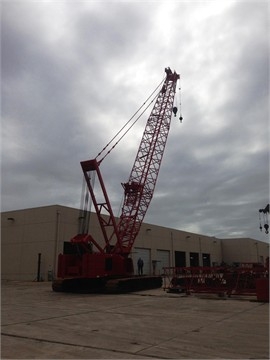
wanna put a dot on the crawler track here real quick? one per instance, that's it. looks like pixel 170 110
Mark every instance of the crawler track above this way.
pixel 112 286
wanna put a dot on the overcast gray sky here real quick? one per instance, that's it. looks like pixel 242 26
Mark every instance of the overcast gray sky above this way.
pixel 73 72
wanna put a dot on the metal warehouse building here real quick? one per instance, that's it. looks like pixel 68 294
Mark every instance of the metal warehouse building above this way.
pixel 33 238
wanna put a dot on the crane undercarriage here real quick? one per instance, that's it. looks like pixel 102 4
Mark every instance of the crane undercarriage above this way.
pixel 92 272
pixel 109 285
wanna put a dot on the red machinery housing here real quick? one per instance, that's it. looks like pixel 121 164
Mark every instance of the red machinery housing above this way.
pixel 84 261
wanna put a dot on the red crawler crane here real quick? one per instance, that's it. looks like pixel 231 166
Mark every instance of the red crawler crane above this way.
pixel 81 265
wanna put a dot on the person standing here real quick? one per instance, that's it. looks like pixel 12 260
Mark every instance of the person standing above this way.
pixel 140 266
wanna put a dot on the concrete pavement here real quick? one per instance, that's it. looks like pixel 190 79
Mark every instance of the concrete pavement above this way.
pixel 39 323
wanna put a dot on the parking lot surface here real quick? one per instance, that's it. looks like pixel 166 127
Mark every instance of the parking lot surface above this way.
pixel 38 323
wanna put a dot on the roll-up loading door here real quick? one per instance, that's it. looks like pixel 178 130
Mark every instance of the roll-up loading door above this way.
pixel 163 260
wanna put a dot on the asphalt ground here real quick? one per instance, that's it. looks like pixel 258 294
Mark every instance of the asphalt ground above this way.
pixel 38 323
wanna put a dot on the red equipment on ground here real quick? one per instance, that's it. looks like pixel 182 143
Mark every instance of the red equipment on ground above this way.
pixel 243 279
pixel 87 264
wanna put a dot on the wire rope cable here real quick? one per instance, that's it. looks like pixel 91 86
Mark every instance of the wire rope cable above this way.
pixel 126 124
pixel 117 142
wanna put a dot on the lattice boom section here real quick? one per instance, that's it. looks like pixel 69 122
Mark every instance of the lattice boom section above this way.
pixel 141 184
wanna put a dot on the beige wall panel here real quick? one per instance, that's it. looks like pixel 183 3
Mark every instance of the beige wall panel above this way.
pixel 244 250
pixel 11 258
pixel 43 230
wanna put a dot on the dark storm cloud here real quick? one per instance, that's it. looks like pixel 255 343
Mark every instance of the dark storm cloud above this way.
pixel 74 72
